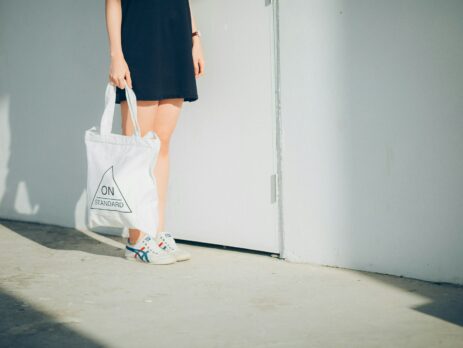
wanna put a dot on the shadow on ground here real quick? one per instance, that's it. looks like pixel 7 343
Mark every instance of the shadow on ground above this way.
pixel 24 326
pixel 445 300
pixel 63 238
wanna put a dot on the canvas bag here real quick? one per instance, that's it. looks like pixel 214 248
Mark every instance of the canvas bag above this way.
pixel 121 186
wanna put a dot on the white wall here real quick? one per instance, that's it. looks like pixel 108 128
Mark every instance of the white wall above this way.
pixel 372 112
pixel 53 71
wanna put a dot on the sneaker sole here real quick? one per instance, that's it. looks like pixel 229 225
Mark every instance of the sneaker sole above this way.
pixel 183 258
pixel 164 262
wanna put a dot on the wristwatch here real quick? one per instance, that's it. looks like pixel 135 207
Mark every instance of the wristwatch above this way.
pixel 196 33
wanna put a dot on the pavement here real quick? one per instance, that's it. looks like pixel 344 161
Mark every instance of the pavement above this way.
pixel 62 288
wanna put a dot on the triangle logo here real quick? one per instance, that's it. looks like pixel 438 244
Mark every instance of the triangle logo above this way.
pixel 108 196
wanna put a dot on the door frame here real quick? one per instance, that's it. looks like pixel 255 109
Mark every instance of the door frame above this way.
pixel 276 63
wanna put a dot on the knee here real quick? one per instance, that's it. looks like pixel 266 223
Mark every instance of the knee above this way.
pixel 164 137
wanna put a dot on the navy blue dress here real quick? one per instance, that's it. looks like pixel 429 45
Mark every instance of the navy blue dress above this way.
pixel 157 43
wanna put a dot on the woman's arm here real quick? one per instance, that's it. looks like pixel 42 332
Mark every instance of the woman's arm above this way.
pixel 119 72
pixel 198 58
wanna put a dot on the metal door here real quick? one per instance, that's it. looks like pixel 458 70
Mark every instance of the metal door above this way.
pixel 222 182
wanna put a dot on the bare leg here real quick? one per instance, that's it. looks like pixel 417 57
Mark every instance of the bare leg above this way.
pixel 160 116
pixel 164 125
pixel 146 111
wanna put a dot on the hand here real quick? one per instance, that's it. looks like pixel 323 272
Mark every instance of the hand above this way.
pixel 119 73
pixel 198 59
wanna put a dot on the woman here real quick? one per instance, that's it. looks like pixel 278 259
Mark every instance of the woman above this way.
pixel 155 48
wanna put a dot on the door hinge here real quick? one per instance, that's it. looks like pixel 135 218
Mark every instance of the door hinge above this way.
pixel 273 188
pixel 268 2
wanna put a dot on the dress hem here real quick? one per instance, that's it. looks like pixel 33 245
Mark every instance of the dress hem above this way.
pixel 167 96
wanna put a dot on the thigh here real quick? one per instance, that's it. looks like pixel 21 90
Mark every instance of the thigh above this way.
pixel 146 111
pixel 166 117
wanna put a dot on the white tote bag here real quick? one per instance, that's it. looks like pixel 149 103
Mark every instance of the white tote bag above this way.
pixel 121 186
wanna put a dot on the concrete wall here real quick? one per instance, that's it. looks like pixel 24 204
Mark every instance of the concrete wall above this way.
pixel 372 126
pixel 372 112
pixel 53 57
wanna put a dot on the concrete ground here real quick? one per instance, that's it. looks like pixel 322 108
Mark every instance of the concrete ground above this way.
pixel 61 288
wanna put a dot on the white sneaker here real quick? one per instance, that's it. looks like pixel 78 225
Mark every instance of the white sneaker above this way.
pixel 166 242
pixel 146 250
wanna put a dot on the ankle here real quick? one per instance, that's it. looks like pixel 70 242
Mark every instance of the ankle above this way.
pixel 134 236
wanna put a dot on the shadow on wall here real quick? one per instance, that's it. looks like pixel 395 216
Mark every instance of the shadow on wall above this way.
pixel 402 102
pixel 372 101
pixel 53 66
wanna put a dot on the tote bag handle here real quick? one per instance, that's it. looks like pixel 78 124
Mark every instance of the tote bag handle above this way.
pixel 106 124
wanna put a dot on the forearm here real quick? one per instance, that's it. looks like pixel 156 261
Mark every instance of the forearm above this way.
pixel 193 23
pixel 113 26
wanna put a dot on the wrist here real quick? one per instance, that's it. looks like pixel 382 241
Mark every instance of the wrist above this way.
pixel 116 54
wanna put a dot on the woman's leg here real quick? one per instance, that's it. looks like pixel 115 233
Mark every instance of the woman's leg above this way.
pixel 160 116
pixel 164 125
pixel 146 111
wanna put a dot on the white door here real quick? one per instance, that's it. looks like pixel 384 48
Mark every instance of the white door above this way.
pixel 223 150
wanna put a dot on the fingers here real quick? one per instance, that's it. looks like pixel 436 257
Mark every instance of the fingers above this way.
pixel 117 81
pixel 112 80
pixel 201 67
pixel 119 73
pixel 196 66
pixel 121 81
pixel 128 78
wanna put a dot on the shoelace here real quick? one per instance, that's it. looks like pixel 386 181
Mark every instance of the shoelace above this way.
pixel 167 241
pixel 141 253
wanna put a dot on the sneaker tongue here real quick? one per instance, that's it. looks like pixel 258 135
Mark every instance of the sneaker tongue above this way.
pixel 141 240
